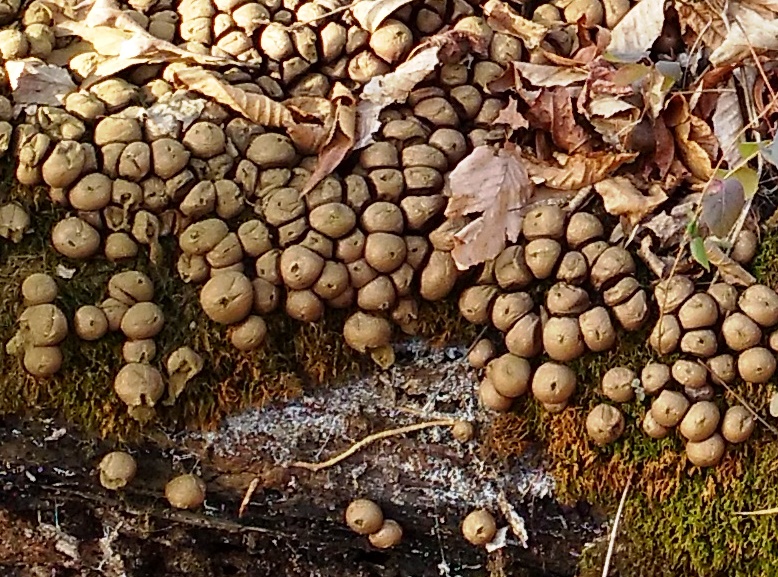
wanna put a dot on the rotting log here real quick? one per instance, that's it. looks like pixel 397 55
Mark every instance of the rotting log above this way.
pixel 292 522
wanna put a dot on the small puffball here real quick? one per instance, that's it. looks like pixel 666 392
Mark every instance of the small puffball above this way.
pixel 479 527
pixel 364 516
pixel 185 492
pixel 389 535
pixel 39 288
pixel 90 323
pixel 117 469
pixel 604 424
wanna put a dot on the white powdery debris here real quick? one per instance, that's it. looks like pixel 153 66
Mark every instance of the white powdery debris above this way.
pixel 423 380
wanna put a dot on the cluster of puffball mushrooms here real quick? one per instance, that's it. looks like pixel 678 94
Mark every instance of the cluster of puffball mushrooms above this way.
pixel 118 468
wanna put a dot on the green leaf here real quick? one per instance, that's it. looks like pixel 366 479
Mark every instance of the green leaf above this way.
pixel 746 176
pixel 749 150
pixel 697 247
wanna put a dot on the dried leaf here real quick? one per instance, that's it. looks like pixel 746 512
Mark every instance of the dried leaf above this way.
pixel 622 198
pixel 697 248
pixel 371 13
pixel 746 176
pixel 664 153
pixel 578 170
pixel 692 153
pixel 255 107
pixel 702 22
pixel 729 270
pixel 511 116
pixel 632 38
pixel 774 406
pixel 387 89
pixel 728 124
pixel 749 30
pixel 546 75
pixel 553 111
pixel 503 18
pixel 496 184
pixel 340 140
pixel 667 228
pixel 35 82
pixel 721 205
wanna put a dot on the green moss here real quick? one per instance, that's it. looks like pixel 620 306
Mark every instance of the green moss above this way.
pixel 765 265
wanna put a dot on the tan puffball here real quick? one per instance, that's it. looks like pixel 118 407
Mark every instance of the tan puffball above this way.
pixel 363 331
pixel 142 351
pixel 597 329
pixel 42 362
pixel 562 339
pixel 700 421
pixel 117 469
pixel 542 255
pixel 669 408
pixel 553 383
pixel 604 424
pixel 90 323
pixel 130 287
pixel 43 325
pixel 756 365
pixel 74 238
pixel 744 248
pixel 39 288
pixel 300 267
pixel 479 527
pixel 249 334
pixel 738 424
pixel 391 41
pixel 227 298
pixel 666 335
pixel 544 221
pixel 491 399
pixel 722 368
pixel 510 375
pixel 142 321
pixel 582 228
pixel 761 304
pixel 669 294
pixel 707 453
pixel 364 516
pixel 699 311
pixel 652 428
pixel 389 535
pixel 617 384
pixel 689 373
pixel 654 377
pixel 185 491
pixel 740 332
pixel 481 353
pixel 304 306
pixel 463 431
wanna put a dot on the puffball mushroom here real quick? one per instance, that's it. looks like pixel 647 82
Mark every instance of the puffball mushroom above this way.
pixel 604 424
pixel 74 238
pixel 364 516
pixel 760 303
pixel 669 408
pixel 756 365
pixel 182 366
pixel 544 221
pixel 666 335
pixel 43 325
pixel 185 492
pixel 481 353
pixel 562 339
pixel 617 384
pixel 90 323
pixel 725 296
pixel 740 332
pixel 613 263
pixel 363 331
pixel 143 320
pixel 706 453
pixel 117 470
pixel 249 334
pixel 389 535
pixel 463 431
pixel 689 373
pixel 227 298
pixel 722 368
pixel 42 362
pixel 654 377
pixel 139 386
pixel 652 428
pixel 142 351
pixel 479 527
pixel 300 267
pixel 39 288
pixel 699 311
pixel 738 424
pixel 700 421
pixel 597 329
pixel 130 287
pixel 491 399
pixel 553 383
pixel 542 255
pixel 670 294
pixel 510 375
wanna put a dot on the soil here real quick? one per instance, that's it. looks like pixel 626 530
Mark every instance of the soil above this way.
pixel 58 521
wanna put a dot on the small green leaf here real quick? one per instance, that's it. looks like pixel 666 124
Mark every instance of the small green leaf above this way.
pixel 697 247
pixel 745 175
pixel 749 150
pixel 692 229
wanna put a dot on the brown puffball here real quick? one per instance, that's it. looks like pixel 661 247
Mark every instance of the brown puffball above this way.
pixel 42 362
pixel 654 377
pixel 43 325
pixel 706 453
pixel 227 298
pixel 39 288
pixel 604 424
pixel 481 353
pixel 364 516
pixel 738 424
pixel 491 399
pixel 740 332
pixel 562 339
pixel 761 304
pixel 756 365
pixel 669 408
pixel 700 421
pixel 463 431
pixel 90 323
pixel 475 303
pixel 669 294
pixel 117 469
pixel 666 335
pixel 300 267
pixel 744 248
pixel 74 238
pixel 391 41
pixel 597 329
pixel 185 492
pixel 479 527
pixel 142 321
pixel 699 311
pixel 544 221
pixel 617 384
pixel 689 373
pixel 542 255
pixel 722 368
pixel 583 227
pixel 510 375
pixel 553 383
pixel 249 334
pixel 363 331
pixel 652 428
pixel 389 535
pixel 304 306
pixel 725 296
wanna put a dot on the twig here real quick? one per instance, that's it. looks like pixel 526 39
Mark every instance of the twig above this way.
pixel 359 445
pixel 247 497
pixel 758 512
pixel 615 528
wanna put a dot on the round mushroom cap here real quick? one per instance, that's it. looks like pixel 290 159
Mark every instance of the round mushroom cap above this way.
pixel 333 219
pixel 202 237
pixel 617 384
pixel 90 323
pixel 130 287
pixel 745 246
pixel 510 375
pixel 761 304
pixel 654 377
pixel 553 383
pixel 363 331
pixel 652 428
pixel 389 535
pixel 689 373
pixel 479 527
pixel 756 365
pixel 722 368
pixel 74 238
pixel 738 424
pixel 304 306
pixel 227 298
pixel 669 294
pixel 481 353
pixel 562 339
pixel 700 421
pixel 740 332
pixel 604 424
pixel 249 334
pixel 666 335
pixel 384 251
pixel 139 384
pixel 706 453
pixel 204 139
pixel 42 362
pixel 699 311
pixel 544 221
pixel 117 469
pixel 525 338
pixel 611 265
pixel 39 288
pixel 119 246
pixel 142 351
pixel 669 408
pixel 44 325
pixel 364 516
pixel 583 227
pixel 185 492
pixel 300 267
pixel 725 296
pixel 597 329
pixel 463 431
pixel 491 399
pixel 541 256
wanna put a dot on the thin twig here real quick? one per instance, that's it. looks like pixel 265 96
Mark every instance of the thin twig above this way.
pixel 615 528
pixel 758 512
pixel 247 497
pixel 359 445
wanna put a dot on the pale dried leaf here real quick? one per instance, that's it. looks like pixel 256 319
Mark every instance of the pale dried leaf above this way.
pixel 606 106
pixel 173 108
pixel 511 116
pixel 702 22
pixel 622 198
pixel 729 270
pixel 255 107
pixel 578 170
pixel 496 184
pixel 632 38
pixel 749 30
pixel 503 18
pixel 774 405
pixel 371 13
pixel 694 156
pixel 547 75
pixel 668 228
pixel 35 82
pixel 721 205
pixel 728 124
